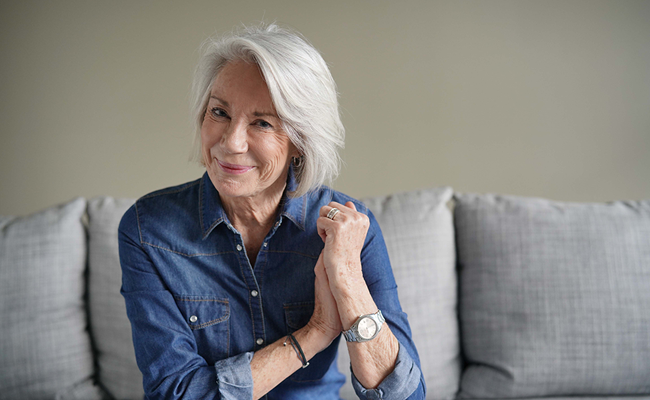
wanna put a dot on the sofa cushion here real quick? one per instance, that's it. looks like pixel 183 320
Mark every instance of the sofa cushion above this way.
pixel 419 234
pixel 117 369
pixel 554 297
pixel 45 349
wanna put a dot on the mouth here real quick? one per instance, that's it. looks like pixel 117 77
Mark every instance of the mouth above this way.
pixel 234 169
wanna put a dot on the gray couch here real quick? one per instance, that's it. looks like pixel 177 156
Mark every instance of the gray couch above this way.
pixel 508 297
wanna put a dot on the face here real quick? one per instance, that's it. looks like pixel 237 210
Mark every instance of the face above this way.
pixel 244 149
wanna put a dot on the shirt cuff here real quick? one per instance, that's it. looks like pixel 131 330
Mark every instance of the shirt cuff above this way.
pixel 234 377
pixel 403 381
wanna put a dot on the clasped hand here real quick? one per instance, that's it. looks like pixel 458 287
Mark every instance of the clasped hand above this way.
pixel 338 269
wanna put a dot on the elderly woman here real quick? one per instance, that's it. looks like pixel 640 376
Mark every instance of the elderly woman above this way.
pixel 239 285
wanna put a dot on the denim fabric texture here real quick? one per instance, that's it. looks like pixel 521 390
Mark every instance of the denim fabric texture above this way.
pixel 199 310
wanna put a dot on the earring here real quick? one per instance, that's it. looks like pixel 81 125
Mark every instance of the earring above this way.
pixel 297 161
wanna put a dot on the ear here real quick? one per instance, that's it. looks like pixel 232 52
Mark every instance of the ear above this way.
pixel 294 152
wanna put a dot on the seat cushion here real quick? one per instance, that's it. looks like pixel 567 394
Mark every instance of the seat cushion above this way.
pixel 117 370
pixel 45 349
pixel 554 297
pixel 419 234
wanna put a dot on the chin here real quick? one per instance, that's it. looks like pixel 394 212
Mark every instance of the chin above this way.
pixel 230 188
pixel 224 185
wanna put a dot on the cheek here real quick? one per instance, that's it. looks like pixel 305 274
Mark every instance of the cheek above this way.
pixel 207 142
pixel 210 135
pixel 206 138
pixel 276 162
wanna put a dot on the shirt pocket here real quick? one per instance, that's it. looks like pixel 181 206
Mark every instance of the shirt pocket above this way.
pixel 209 320
pixel 296 316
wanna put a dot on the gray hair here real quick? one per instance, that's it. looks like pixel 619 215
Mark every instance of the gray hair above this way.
pixel 302 90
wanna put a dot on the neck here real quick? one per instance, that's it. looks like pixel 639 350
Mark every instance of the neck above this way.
pixel 247 213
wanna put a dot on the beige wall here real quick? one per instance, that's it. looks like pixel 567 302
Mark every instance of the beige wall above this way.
pixel 543 98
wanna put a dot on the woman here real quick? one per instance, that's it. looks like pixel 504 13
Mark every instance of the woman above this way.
pixel 238 285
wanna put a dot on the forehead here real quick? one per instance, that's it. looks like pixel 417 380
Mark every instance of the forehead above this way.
pixel 243 85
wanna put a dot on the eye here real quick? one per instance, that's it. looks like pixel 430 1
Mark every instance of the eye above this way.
pixel 263 124
pixel 218 112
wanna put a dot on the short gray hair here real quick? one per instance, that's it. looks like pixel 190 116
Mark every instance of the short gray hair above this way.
pixel 302 90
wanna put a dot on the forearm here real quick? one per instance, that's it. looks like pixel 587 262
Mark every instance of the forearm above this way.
pixel 274 363
pixel 374 360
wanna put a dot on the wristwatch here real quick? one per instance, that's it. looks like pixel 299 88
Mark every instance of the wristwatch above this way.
pixel 366 328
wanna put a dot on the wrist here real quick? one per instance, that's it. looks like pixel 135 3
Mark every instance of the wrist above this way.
pixel 354 304
pixel 316 337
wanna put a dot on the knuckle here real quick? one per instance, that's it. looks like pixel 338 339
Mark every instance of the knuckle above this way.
pixel 366 220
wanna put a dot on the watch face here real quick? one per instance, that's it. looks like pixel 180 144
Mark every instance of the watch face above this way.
pixel 367 328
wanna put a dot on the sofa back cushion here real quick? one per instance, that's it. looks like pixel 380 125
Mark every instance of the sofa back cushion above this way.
pixel 45 349
pixel 554 297
pixel 117 370
pixel 419 234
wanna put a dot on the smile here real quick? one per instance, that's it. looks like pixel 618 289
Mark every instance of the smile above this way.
pixel 233 168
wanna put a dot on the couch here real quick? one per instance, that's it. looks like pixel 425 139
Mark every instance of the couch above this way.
pixel 508 297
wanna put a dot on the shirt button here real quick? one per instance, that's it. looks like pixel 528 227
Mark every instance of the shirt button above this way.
pixel 194 318
pixel 259 341
pixel 254 293
pixel 239 247
pixel 265 244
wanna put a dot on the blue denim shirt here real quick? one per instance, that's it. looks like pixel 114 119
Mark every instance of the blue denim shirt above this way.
pixel 199 310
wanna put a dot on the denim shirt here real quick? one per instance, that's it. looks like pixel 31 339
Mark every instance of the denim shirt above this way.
pixel 199 310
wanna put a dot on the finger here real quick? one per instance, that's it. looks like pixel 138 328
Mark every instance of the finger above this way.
pixel 351 205
pixel 321 231
pixel 327 208
pixel 326 226
pixel 341 211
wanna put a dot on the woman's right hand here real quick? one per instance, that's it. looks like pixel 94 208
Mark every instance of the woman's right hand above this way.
pixel 325 319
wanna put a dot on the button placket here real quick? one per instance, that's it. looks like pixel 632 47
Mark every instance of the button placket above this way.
pixel 255 300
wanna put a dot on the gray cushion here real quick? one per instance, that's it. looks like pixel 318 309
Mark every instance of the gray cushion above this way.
pixel 118 372
pixel 554 297
pixel 419 234
pixel 45 350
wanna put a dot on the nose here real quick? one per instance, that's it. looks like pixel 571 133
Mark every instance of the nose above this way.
pixel 235 139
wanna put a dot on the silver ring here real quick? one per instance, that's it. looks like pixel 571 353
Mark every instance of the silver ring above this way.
pixel 332 213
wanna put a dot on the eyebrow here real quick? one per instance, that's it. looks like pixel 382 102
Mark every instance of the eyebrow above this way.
pixel 255 113
pixel 264 114
pixel 224 102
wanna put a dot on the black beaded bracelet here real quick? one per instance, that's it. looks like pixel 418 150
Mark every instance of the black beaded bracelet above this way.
pixel 298 350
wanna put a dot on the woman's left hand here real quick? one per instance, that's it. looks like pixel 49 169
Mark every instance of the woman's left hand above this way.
pixel 344 237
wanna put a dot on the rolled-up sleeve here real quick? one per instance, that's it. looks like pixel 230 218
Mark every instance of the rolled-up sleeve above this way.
pixel 402 383
pixel 165 347
pixel 234 377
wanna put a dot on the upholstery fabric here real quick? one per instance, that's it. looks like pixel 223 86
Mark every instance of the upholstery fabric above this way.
pixel 419 234
pixel 118 371
pixel 45 349
pixel 554 297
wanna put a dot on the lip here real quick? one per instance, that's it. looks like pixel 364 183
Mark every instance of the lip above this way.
pixel 234 169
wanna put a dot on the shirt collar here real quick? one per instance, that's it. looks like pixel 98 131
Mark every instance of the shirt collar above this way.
pixel 211 212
